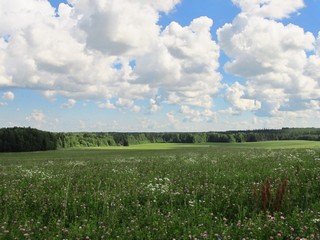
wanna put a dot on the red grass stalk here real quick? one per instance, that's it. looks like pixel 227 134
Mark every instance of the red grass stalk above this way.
pixel 278 201
pixel 269 201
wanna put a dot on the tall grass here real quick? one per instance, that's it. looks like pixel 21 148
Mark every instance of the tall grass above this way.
pixel 190 193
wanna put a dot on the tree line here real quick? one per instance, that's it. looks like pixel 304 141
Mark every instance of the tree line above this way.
pixel 26 140
pixel 29 139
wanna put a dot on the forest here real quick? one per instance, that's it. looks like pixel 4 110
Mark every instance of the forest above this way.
pixel 18 139
pixel 26 140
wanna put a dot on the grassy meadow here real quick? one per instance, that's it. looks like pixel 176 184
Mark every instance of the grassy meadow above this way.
pixel 264 190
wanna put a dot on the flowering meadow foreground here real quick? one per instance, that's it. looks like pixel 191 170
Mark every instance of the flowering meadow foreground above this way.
pixel 217 191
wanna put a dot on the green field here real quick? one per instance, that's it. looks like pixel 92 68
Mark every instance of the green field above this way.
pixel 263 145
pixel 264 190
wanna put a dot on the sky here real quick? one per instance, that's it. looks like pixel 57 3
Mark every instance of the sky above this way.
pixel 159 65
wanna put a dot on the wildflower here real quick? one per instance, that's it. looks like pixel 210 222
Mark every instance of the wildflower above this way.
pixel 191 203
pixel 204 234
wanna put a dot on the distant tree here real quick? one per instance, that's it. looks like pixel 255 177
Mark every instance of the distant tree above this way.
pixel 26 139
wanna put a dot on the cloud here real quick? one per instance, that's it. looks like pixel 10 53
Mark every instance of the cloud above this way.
pixel 118 27
pixel 234 95
pixel 276 61
pixel 172 119
pixel 184 64
pixel 124 103
pixel 107 105
pixel 16 15
pixel 136 109
pixel 37 118
pixel 161 5
pixel 313 104
pixel 82 125
pixel 274 9
pixel 154 106
pixel 108 50
pixel 8 96
pixel 69 104
pixel 313 65
pixel 196 115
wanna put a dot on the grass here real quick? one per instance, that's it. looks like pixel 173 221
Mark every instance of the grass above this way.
pixel 267 190
pixel 292 144
pixel 263 145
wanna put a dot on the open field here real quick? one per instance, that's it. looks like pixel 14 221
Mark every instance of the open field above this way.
pixel 263 145
pixel 265 190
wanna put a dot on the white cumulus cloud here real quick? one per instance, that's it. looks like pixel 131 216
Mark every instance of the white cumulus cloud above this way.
pixel 276 9
pixel 107 105
pixel 69 104
pixel 184 64
pixel 107 50
pixel 276 60
pixel 8 96
pixel 36 118
pixel 154 106
pixel 234 95
pixel 173 120
pixel 195 115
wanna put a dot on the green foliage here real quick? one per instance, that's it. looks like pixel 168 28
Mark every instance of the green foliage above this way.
pixel 185 193
pixel 71 140
pixel 26 140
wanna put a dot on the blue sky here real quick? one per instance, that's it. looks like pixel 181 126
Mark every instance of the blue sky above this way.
pixel 160 65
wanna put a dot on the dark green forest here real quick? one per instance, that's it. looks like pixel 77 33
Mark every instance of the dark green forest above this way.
pixel 29 139
pixel 26 140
